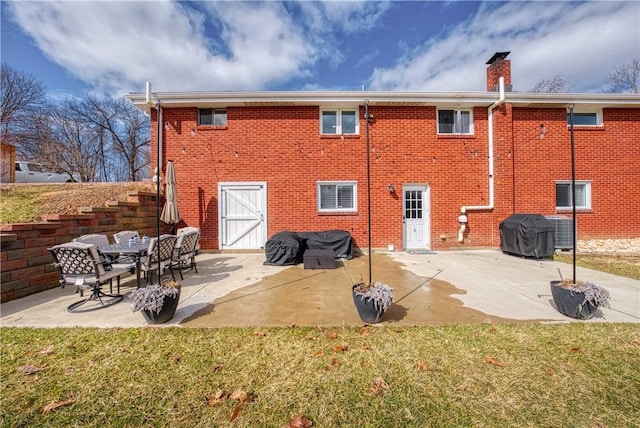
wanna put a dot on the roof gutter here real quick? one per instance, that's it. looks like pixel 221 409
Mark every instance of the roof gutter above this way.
pixel 462 219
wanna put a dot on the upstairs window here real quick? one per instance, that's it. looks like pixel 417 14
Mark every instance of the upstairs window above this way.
pixel 563 195
pixel 337 196
pixel 339 122
pixel 585 118
pixel 212 116
pixel 455 122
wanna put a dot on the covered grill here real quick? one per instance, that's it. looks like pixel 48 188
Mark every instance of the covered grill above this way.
pixel 528 235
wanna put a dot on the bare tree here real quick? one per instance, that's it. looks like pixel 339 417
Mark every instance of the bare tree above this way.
pixel 125 139
pixel 21 93
pixel 57 138
pixel 554 84
pixel 626 77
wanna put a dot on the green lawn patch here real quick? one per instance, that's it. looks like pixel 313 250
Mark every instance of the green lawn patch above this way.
pixel 578 374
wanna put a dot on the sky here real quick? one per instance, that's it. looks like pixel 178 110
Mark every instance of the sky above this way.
pixel 110 48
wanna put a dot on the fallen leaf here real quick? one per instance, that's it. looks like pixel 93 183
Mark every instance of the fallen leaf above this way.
pixel 364 331
pixel 240 395
pixel 495 362
pixel 636 341
pixel 218 398
pixel 29 369
pixel 335 362
pixel 54 405
pixel 175 358
pixel 47 351
pixel 332 335
pixel 549 371
pixel 424 366
pixel 260 333
pixel 341 348
pixel 575 349
pixel 378 385
pixel 319 354
pixel 236 411
pixel 299 421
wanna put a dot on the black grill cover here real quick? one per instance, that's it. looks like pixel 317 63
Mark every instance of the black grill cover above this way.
pixel 283 249
pixel 528 235
pixel 287 248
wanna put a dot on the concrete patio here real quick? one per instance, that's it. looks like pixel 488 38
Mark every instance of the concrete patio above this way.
pixel 236 289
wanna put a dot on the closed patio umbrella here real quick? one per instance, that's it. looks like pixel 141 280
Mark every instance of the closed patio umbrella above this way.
pixel 170 212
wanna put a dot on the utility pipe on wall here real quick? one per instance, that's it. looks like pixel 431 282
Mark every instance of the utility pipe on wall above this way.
pixel 462 219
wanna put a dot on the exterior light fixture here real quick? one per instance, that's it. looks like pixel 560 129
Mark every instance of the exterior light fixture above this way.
pixel 390 188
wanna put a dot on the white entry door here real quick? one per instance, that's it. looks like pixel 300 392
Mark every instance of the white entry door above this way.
pixel 243 215
pixel 416 217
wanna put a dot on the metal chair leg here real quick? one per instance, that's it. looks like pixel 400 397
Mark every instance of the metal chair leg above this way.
pixel 97 294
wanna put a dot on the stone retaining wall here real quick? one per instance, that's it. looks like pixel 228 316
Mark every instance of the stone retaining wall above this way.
pixel 26 267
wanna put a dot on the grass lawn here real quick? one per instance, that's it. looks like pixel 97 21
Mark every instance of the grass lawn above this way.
pixel 578 375
pixel 616 264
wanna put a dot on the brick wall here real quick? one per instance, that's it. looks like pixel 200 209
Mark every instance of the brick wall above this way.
pixel 607 156
pixel 26 267
pixel 282 146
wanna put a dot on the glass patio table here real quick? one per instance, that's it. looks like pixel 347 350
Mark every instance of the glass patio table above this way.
pixel 137 250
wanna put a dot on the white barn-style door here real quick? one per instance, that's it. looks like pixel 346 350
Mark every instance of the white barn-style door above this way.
pixel 243 215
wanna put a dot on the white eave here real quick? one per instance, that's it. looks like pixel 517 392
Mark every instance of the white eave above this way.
pixel 337 99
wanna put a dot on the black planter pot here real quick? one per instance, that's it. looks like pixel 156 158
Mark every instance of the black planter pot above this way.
pixel 571 303
pixel 170 304
pixel 366 308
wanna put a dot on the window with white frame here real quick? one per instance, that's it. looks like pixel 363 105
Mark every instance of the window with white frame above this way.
pixel 563 195
pixel 212 116
pixel 458 121
pixel 339 122
pixel 585 118
pixel 337 196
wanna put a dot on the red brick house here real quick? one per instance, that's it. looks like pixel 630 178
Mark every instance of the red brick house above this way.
pixel 251 164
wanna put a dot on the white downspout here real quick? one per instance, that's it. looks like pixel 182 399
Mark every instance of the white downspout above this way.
pixel 462 219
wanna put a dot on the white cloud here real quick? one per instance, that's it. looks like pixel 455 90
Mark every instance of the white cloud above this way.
pixel 583 42
pixel 116 46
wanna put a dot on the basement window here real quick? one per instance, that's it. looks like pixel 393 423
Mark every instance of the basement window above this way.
pixel 339 122
pixel 212 116
pixel 458 121
pixel 586 118
pixel 339 196
pixel 563 195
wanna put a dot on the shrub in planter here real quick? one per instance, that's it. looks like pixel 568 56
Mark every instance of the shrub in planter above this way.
pixel 372 300
pixel 157 302
pixel 579 300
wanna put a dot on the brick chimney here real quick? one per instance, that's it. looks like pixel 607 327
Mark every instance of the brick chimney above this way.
pixel 499 66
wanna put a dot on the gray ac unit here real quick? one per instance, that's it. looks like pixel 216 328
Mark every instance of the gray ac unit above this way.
pixel 563 231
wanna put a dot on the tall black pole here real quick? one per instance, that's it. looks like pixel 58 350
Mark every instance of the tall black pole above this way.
pixel 159 118
pixel 366 118
pixel 573 190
